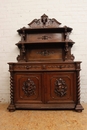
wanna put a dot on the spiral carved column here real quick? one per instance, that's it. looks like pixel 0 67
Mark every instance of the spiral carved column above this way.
pixel 79 107
pixel 78 88
pixel 11 107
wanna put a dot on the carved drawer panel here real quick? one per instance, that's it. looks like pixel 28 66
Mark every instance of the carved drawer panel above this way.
pixel 44 54
pixel 36 38
pixel 61 66
pixel 27 67
pixel 42 67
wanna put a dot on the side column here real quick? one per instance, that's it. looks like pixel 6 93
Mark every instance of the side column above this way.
pixel 11 107
pixel 78 107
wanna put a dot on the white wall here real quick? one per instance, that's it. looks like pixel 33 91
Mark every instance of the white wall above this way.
pixel 15 14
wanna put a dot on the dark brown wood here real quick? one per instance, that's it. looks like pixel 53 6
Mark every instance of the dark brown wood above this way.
pixel 46 75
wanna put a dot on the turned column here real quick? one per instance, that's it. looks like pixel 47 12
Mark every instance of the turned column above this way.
pixel 78 107
pixel 11 107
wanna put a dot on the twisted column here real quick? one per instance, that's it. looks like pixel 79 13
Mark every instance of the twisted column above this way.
pixel 11 107
pixel 11 88
pixel 78 107
pixel 78 88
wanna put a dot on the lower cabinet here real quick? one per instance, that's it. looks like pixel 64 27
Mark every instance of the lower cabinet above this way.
pixel 45 86
pixel 44 90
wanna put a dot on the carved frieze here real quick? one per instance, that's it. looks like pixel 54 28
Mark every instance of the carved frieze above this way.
pixel 60 87
pixel 29 87
pixel 61 66
pixel 43 66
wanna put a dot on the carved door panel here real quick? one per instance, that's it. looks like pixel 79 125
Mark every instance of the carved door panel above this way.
pixel 60 87
pixel 28 88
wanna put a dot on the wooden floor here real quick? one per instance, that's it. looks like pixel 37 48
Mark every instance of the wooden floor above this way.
pixel 42 120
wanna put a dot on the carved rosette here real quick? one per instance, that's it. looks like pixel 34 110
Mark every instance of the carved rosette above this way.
pixel 29 87
pixel 60 87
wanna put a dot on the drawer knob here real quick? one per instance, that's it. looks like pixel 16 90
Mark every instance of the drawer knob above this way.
pixel 44 66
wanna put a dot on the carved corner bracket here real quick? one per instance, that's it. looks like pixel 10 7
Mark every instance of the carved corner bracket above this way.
pixel 68 55
pixel 22 56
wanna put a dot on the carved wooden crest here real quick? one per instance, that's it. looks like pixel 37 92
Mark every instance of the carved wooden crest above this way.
pixel 29 87
pixel 60 87
pixel 44 22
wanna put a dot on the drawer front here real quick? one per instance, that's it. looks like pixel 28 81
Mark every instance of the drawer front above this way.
pixel 44 38
pixel 43 67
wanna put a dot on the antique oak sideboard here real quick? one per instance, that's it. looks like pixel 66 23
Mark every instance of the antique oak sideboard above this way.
pixel 46 75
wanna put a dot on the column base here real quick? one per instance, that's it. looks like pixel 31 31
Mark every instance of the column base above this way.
pixel 79 108
pixel 11 108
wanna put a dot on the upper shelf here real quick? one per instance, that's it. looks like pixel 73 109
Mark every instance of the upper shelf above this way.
pixel 44 30
pixel 44 25
pixel 56 43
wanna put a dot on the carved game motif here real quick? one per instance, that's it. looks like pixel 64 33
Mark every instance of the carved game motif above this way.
pixel 29 87
pixel 60 87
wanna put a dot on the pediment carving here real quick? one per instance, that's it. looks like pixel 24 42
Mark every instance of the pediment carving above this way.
pixel 44 22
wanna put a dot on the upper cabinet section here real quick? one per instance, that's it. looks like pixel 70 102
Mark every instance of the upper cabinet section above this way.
pixel 44 30
pixel 45 39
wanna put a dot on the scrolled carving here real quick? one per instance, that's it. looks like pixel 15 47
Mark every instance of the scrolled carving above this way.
pixel 22 56
pixel 72 57
pixel 44 22
pixel 23 36
pixel 29 87
pixel 45 52
pixel 44 37
pixel 68 55
pixel 60 87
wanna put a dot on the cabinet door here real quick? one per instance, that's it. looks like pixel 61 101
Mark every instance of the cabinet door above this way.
pixel 27 88
pixel 60 87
